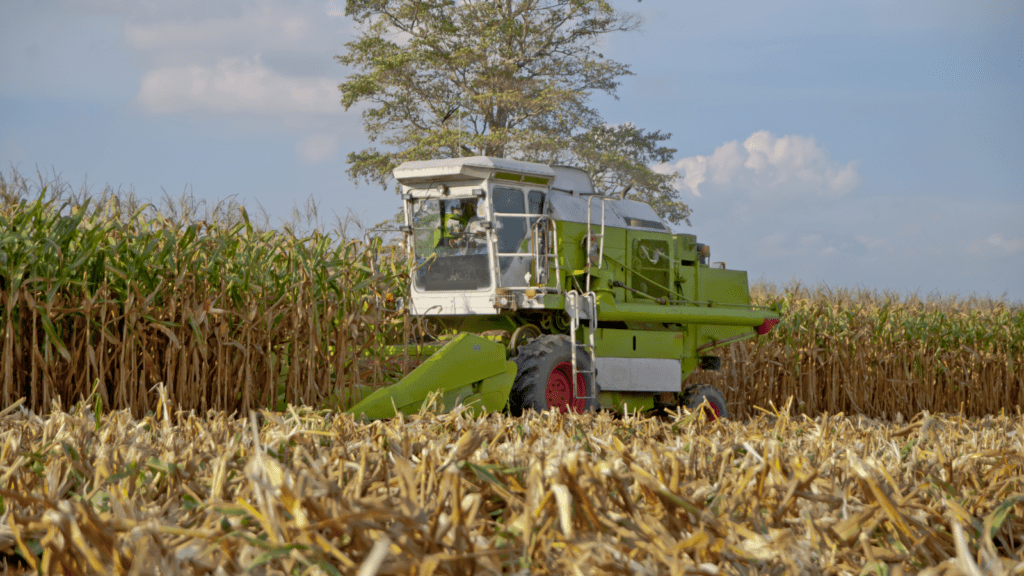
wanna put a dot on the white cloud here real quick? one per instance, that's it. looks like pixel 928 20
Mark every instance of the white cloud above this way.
pixel 813 243
pixel 811 240
pixel 317 148
pixel 771 243
pixel 108 6
pixel 766 165
pixel 1007 246
pixel 870 242
pixel 169 31
pixel 269 61
pixel 911 229
pixel 235 85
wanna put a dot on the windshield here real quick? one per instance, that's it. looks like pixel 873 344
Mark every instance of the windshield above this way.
pixel 449 244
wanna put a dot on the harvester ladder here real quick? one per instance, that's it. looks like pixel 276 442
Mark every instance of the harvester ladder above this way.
pixel 591 236
pixel 574 304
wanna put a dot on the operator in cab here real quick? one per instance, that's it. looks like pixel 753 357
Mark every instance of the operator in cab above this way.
pixel 461 223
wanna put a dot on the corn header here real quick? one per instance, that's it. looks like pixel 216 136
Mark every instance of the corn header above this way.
pixel 599 302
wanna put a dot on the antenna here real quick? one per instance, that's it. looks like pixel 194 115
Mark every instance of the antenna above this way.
pixel 622 195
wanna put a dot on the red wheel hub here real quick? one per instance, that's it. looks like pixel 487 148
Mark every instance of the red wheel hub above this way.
pixel 710 410
pixel 712 414
pixel 558 392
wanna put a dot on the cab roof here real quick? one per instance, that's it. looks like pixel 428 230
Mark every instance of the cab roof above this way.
pixel 473 167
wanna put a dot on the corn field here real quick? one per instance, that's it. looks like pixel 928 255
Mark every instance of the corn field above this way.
pixel 876 433
pixel 878 354
pixel 110 298
pixel 312 493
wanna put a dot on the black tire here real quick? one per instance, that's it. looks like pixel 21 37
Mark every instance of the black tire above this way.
pixel 544 375
pixel 694 397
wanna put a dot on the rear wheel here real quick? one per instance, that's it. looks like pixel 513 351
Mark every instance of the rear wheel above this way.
pixel 544 378
pixel 715 409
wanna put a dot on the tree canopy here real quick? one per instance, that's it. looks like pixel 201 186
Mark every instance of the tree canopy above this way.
pixel 504 78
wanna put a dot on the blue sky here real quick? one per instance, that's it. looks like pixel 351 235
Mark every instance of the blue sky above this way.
pixel 869 143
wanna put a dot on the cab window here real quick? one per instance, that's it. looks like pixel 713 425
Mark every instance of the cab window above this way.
pixel 509 210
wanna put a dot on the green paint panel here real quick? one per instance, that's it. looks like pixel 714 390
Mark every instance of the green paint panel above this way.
pixel 469 369
pixel 686 282
pixel 688 366
pixel 724 286
pixel 685 247
pixel 626 401
pixel 421 350
pixel 554 301
pixel 680 314
pixel 508 176
pixel 570 251
pixel 639 343
pixel 480 323
pixel 614 250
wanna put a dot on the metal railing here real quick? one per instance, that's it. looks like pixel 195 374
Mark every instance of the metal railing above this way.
pixel 590 236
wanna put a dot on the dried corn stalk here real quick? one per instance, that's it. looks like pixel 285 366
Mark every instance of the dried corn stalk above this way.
pixel 304 492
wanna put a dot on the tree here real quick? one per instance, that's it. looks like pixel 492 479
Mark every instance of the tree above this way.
pixel 619 158
pixel 505 78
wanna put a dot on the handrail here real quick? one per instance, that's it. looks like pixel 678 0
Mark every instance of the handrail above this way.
pixel 590 236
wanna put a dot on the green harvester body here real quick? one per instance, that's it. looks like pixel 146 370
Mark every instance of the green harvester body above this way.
pixel 524 250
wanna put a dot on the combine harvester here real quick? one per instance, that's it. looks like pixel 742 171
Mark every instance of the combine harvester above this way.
pixel 533 253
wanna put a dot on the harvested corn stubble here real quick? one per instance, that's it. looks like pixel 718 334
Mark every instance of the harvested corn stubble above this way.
pixel 306 492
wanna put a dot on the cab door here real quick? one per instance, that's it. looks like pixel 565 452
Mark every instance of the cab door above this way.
pixel 511 223
pixel 523 237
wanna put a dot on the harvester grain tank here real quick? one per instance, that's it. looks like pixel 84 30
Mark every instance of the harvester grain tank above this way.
pixel 600 303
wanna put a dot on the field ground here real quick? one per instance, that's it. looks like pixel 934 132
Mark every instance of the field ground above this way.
pixel 321 493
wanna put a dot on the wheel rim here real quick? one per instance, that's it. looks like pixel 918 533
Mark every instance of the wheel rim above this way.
pixel 558 393
pixel 711 410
